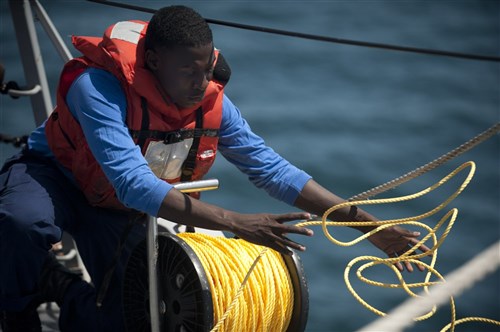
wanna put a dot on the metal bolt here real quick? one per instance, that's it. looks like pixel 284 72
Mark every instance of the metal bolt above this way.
pixel 179 280
pixel 163 308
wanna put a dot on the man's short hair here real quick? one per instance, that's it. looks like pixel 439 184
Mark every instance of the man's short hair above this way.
pixel 177 26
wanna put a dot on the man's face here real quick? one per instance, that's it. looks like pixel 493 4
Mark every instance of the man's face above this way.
pixel 183 72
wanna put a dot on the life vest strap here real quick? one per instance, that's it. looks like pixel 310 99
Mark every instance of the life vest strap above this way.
pixel 174 136
pixel 170 137
pixel 190 162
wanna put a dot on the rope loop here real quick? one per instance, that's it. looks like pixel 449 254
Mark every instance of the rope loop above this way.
pixel 410 255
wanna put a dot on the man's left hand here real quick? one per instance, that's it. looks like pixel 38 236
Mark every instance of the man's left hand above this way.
pixel 395 241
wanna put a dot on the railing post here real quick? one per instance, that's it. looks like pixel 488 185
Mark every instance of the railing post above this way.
pixel 152 252
pixel 31 57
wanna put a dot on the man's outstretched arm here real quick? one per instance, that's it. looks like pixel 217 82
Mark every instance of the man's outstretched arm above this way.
pixel 263 228
pixel 393 240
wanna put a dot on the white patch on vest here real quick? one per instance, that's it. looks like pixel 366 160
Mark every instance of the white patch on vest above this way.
pixel 165 160
pixel 127 31
pixel 207 154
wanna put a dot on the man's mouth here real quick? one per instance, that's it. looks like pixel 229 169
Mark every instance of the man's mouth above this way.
pixel 191 100
pixel 196 97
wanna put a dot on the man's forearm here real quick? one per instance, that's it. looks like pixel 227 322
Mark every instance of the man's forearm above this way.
pixel 263 228
pixel 315 199
pixel 184 209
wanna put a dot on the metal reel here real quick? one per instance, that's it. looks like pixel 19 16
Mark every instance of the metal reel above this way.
pixel 184 292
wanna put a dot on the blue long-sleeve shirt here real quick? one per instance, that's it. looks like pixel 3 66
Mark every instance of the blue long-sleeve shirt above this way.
pixel 98 103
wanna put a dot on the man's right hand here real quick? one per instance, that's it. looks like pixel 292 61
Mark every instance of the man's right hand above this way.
pixel 269 230
pixel 263 229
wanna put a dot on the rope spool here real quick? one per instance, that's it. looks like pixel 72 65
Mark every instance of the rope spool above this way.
pixel 214 283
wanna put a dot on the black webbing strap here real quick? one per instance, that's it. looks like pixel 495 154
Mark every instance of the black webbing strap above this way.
pixel 141 139
pixel 174 136
pixel 190 162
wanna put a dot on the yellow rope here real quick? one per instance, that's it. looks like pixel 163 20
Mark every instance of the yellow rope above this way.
pixel 261 299
pixel 248 293
pixel 410 255
pixel 471 319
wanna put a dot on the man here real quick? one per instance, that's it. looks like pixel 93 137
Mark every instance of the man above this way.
pixel 143 108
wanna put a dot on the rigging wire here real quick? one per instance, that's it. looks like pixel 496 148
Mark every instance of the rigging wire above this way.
pixel 493 130
pixel 319 37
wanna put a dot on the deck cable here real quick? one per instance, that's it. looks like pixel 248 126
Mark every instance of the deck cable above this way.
pixel 327 39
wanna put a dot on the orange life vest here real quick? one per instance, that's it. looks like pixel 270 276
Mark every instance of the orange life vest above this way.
pixel 151 116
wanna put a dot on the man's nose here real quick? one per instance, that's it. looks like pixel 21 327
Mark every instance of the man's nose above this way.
pixel 202 82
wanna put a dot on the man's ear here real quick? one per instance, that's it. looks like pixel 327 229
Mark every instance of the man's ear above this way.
pixel 151 59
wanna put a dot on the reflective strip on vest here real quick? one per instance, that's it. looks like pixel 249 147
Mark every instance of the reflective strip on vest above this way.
pixel 127 31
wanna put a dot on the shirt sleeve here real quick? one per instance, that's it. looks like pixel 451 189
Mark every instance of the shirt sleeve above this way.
pixel 98 102
pixel 247 151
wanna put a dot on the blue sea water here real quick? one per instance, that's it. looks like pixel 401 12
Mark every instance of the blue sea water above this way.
pixel 352 117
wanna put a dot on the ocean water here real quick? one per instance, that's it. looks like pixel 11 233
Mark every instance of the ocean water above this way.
pixel 352 117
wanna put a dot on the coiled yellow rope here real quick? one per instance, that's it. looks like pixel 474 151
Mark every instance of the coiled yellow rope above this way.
pixel 267 301
pixel 264 297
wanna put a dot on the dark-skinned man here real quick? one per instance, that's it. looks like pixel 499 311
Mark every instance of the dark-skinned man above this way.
pixel 144 107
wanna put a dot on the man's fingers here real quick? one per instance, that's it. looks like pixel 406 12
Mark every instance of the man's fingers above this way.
pixel 408 266
pixel 292 244
pixel 284 241
pixel 282 249
pixel 282 228
pixel 422 248
pixel 281 218
pixel 282 244
pixel 420 267
pixel 294 229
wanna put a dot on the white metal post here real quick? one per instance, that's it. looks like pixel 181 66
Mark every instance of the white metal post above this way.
pixel 51 31
pixel 31 56
pixel 152 252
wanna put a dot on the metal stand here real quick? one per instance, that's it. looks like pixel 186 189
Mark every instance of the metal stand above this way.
pixel 152 251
